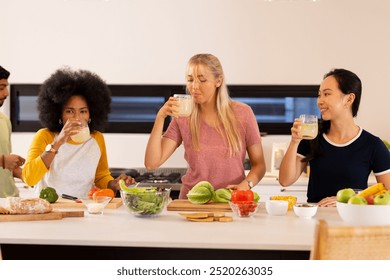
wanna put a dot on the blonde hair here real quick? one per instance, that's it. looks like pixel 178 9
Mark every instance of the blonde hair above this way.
pixel 224 109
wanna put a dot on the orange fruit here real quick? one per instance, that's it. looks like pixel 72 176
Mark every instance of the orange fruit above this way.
pixel 104 192
pixel 92 191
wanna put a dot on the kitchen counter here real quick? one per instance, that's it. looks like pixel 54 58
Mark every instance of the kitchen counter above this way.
pixel 118 228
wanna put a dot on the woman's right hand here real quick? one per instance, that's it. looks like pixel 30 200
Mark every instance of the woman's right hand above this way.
pixel 296 135
pixel 170 108
pixel 71 127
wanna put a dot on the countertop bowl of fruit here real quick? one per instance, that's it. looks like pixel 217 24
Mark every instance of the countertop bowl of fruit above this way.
pixel 145 201
pixel 371 207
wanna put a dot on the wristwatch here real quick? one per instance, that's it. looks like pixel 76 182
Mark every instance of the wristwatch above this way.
pixel 250 183
pixel 50 149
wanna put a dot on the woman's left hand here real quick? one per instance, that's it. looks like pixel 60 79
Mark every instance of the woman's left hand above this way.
pixel 242 186
pixel 114 184
pixel 328 202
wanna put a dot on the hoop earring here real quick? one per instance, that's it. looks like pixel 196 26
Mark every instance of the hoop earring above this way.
pixel 89 120
pixel 60 121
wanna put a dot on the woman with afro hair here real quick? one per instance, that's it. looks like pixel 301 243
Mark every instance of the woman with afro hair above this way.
pixel 66 100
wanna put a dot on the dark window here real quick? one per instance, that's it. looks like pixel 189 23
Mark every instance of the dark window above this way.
pixel 134 107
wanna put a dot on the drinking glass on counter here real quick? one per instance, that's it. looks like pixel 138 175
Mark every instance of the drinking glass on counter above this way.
pixel 309 127
pixel 83 135
pixel 185 104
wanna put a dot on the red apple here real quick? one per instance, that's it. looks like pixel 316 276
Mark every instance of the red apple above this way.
pixel 370 199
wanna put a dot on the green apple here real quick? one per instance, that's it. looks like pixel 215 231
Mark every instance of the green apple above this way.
pixel 382 199
pixel 357 200
pixel 344 195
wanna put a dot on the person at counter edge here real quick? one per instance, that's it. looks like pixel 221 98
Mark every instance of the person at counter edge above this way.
pixel 343 154
pixel 66 99
pixel 10 163
pixel 216 135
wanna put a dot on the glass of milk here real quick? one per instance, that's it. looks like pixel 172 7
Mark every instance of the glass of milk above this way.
pixel 185 104
pixel 84 133
pixel 309 127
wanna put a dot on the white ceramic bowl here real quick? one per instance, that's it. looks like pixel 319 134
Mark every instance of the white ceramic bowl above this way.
pixel 364 215
pixel 305 210
pixel 276 207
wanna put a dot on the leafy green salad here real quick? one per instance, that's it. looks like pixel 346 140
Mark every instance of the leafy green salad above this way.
pixel 144 200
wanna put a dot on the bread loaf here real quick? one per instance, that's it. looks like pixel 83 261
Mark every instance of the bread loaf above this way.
pixel 17 205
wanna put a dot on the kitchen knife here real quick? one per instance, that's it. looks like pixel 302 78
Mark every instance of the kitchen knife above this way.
pixel 66 196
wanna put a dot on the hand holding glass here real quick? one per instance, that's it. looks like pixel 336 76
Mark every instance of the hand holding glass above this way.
pixel 83 135
pixel 309 127
pixel 185 104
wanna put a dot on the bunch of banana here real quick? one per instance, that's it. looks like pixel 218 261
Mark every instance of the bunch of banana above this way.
pixel 373 190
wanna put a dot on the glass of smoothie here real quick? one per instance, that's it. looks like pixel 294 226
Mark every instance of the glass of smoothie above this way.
pixel 309 127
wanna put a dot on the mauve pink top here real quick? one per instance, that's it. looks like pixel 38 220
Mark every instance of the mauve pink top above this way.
pixel 212 162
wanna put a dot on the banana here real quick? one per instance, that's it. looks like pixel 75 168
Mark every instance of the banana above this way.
pixel 382 191
pixel 372 190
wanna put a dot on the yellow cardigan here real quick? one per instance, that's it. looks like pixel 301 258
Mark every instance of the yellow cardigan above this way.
pixel 34 169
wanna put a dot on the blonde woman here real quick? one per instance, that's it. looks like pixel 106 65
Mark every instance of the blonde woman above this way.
pixel 216 136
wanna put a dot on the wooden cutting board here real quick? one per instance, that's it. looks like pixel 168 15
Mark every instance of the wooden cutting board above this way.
pixel 185 205
pixel 54 215
pixel 66 203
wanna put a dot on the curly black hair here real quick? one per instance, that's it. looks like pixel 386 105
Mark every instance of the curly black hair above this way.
pixel 65 83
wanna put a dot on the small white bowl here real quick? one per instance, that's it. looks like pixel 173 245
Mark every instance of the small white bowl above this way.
pixel 305 210
pixel 276 207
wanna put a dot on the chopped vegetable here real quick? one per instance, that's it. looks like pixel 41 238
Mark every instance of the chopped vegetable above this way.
pixel 144 201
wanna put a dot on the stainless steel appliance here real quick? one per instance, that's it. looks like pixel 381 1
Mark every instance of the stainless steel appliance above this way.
pixel 161 177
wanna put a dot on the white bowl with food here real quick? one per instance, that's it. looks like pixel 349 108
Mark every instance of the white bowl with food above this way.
pixel 364 214
pixel 276 207
pixel 305 210
pixel 96 205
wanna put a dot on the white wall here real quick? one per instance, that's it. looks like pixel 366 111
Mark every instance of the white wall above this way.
pixel 150 41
